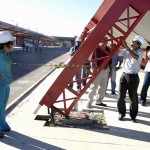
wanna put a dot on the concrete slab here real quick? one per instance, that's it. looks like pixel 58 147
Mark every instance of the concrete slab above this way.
pixel 30 134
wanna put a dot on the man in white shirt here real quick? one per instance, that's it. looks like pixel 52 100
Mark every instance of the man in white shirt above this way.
pixel 146 82
pixel 130 79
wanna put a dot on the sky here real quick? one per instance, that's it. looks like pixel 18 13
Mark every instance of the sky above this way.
pixel 50 17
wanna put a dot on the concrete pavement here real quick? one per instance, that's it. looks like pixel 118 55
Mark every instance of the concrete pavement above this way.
pixel 30 134
pixel 29 69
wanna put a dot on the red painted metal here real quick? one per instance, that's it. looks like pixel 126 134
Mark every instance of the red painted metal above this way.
pixel 112 16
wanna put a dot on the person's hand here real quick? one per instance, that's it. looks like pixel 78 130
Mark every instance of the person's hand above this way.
pixel 125 44
pixel 117 68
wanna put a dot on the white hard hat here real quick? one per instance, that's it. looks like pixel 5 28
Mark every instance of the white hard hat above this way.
pixel 78 39
pixel 139 39
pixel 5 37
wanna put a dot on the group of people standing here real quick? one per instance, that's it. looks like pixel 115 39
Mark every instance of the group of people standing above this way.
pixel 129 81
pixel 29 46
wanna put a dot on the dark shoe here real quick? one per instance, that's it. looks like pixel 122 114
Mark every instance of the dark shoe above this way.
pixel 121 117
pixel 1 135
pixel 113 93
pixel 5 130
pixel 133 119
pixel 89 105
pixel 101 104
pixel 143 103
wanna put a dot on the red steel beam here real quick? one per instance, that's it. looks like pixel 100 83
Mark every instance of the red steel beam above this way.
pixel 104 19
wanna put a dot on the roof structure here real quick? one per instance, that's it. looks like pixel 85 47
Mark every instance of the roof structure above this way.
pixel 65 38
pixel 24 33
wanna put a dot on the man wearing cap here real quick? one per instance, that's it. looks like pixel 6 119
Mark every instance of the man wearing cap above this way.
pixel 99 85
pixel 84 73
pixel 6 45
pixel 72 51
pixel 130 79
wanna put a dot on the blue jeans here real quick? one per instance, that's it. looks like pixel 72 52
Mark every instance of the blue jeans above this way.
pixel 145 87
pixel 4 96
pixel 113 80
pixel 84 73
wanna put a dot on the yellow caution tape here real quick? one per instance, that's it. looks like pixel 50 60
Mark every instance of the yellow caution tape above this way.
pixel 55 65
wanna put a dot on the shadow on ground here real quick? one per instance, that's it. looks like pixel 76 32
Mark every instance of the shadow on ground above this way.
pixel 24 142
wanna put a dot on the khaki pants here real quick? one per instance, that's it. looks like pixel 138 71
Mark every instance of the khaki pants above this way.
pixel 98 87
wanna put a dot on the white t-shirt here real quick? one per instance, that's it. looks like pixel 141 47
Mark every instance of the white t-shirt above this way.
pixel 131 65
pixel 147 67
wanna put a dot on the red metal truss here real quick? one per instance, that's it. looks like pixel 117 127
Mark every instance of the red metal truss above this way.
pixel 114 19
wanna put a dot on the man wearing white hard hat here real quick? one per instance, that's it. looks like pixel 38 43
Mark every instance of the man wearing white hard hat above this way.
pixel 130 79
pixel 84 73
pixel 72 51
pixel 76 46
pixel 6 45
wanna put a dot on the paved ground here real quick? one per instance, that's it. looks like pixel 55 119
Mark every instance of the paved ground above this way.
pixel 30 134
pixel 30 68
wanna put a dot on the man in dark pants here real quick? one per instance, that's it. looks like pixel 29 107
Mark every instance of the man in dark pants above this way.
pixel 130 79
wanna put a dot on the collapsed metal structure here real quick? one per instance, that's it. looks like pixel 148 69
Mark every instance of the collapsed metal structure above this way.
pixel 115 19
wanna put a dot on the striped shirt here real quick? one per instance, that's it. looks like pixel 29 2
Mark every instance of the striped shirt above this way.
pixel 131 65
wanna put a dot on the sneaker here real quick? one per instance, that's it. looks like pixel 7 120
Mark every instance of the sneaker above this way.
pixel 89 105
pixel 101 104
pixel 113 93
